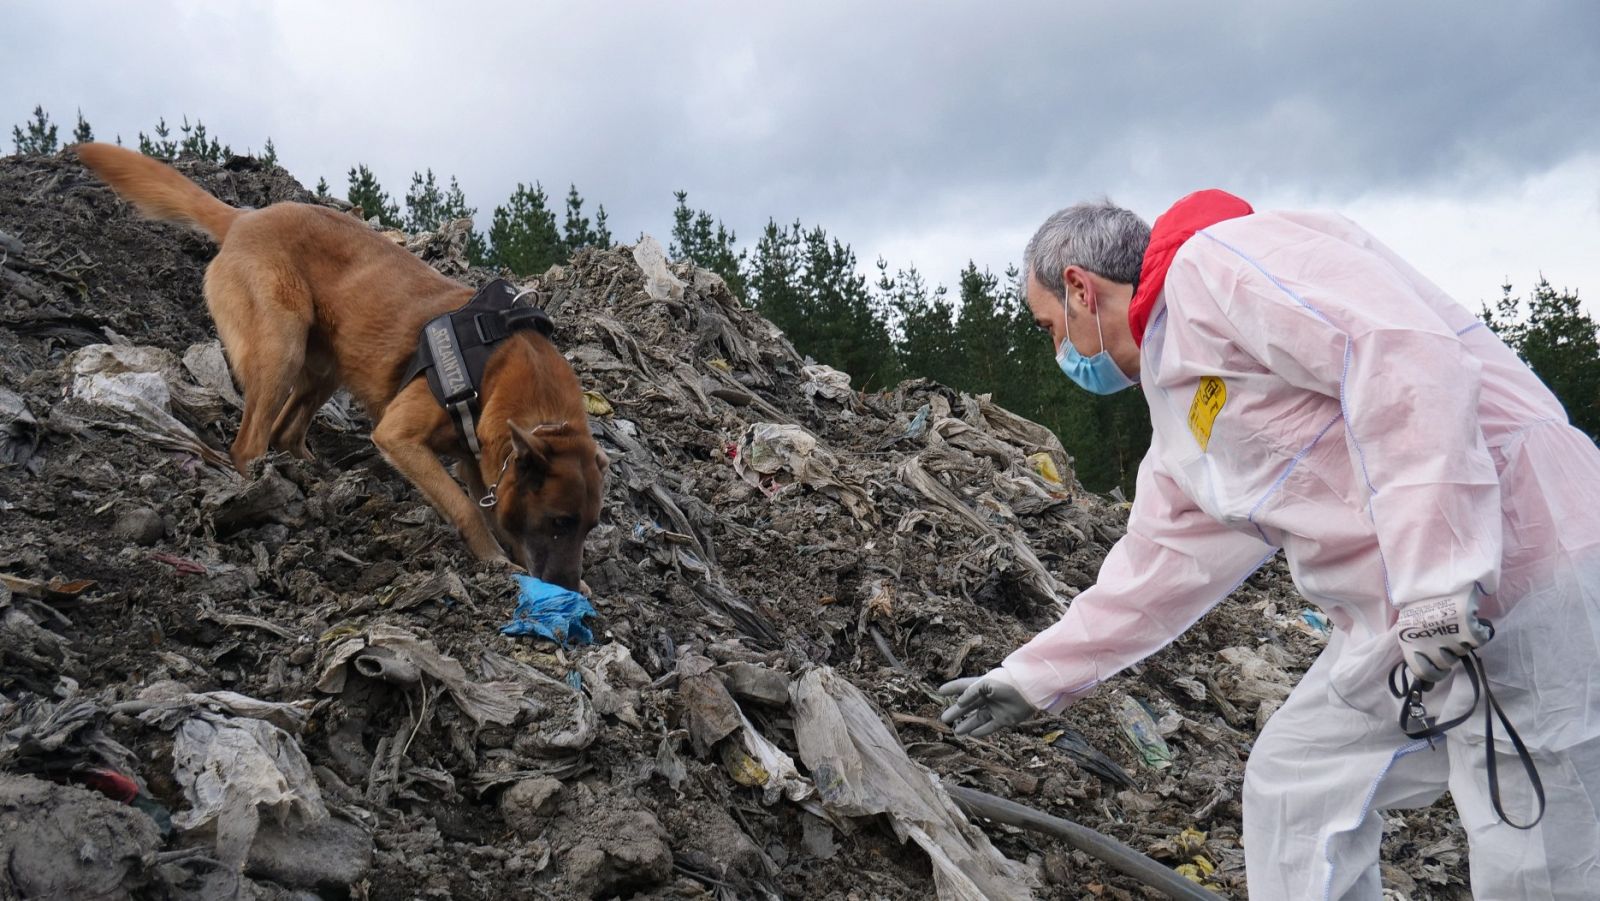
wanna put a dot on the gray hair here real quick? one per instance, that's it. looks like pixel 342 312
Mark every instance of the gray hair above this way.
pixel 1099 236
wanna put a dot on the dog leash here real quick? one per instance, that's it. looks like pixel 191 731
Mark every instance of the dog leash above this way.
pixel 493 497
pixel 1416 723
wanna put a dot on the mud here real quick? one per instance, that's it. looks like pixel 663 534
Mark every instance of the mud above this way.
pixel 758 521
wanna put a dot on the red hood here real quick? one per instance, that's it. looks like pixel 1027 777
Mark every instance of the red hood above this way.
pixel 1199 210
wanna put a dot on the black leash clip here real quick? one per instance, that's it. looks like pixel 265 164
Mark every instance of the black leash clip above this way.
pixel 1416 723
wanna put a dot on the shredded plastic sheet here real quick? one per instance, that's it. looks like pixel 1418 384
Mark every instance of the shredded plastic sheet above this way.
pixel 773 770
pixel 659 282
pixel 550 611
pixel 1142 733
pixel 920 473
pixel 484 702
pixel 234 769
pixel 861 769
pixel 767 449
pixel 166 709
pixel 141 384
pixel 19 431
pixel 825 381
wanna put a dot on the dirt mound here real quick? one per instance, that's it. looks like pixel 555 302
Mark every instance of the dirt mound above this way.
pixel 300 676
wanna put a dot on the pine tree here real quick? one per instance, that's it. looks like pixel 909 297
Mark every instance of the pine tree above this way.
pixel 424 203
pixel 366 194
pixel 523 236
pixel 269 153
pixel 1560 342
pixel 697 237
pixel 807 284
pixel 602 232
pixel 162 147
pixel 455 207
pixel 83 132
pixel 40 136
pixel 196 143
pixel 322 188
pixel 923 322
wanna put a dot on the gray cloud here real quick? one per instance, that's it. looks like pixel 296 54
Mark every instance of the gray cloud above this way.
pixel 879 122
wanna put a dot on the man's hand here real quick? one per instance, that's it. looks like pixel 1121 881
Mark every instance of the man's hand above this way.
pixel 985 704
pixel 1435 634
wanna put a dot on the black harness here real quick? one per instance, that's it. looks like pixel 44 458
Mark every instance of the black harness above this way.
pixel 454 349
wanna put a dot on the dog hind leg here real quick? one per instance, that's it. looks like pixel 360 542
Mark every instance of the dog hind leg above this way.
pixel 264 324
pixel 294 421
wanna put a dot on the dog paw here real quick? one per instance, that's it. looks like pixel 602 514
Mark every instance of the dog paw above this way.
pixel 503 565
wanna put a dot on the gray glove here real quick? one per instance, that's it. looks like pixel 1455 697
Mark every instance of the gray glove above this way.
pixel 986 704
pixel 1435 634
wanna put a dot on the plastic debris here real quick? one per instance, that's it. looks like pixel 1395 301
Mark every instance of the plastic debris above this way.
pixel 757 762
pixel 550 611
pixel 826 382
pixel 861 770
pixel 711 713
pixel 19 431
pixel 614 680
pixel 142 385
pixel 389 650
pixel 596 404
pixel 1141 733
pixel 767 450
pixel 1074 745
pixel 1044 466
pixel 1255 676
pixel 1318 621
pixel 660 283
pixel 233 770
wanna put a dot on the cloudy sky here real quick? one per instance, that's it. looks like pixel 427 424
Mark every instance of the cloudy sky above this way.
pixel 1465 135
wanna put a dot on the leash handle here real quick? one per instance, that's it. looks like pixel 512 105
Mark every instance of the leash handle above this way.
pixel 1416 723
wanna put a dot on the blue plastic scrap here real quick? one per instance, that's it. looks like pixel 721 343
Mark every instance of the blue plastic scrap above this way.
pixel 551 611
pixel 1317 621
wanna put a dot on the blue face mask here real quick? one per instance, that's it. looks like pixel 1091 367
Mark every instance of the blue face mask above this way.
pixel 1098 374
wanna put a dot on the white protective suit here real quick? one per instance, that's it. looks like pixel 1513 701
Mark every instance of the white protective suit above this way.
pixel 1397 451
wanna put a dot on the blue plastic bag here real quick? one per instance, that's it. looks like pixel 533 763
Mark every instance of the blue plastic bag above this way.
pixel 551 611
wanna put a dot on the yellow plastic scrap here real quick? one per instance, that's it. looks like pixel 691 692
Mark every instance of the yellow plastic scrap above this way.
pixel 596 404
pixel 1191 841
pixel 1045 467
pixel 743 768
pixel 720 363
pixel 341 631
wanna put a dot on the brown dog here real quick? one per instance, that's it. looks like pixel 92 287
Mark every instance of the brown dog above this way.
pixel 306 299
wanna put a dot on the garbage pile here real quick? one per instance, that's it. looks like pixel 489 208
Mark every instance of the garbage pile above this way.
pixel 299 684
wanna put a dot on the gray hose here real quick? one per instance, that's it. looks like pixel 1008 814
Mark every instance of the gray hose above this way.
pixel 1122 858
pixel 387 666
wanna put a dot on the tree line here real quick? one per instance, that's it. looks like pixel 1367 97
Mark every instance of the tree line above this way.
pixel 882 327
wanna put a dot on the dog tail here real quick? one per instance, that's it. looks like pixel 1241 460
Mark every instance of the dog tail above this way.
pixel 157 189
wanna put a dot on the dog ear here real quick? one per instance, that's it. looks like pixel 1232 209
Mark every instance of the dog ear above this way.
pixel 532 451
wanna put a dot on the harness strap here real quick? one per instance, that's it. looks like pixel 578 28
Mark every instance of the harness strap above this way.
pixel 454 350
pixel 1415 723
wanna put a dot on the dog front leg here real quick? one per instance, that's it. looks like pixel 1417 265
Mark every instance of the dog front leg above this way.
pixel 467 470
pixel 420 467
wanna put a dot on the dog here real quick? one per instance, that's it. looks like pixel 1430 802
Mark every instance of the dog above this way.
pixel 307 299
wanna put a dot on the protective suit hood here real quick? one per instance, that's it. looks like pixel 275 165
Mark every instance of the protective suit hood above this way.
pixel 1199 210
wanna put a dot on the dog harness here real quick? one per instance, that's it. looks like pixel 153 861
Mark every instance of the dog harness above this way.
pixel 454 349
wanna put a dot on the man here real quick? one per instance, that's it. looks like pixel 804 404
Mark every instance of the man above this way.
pixel 1310 391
